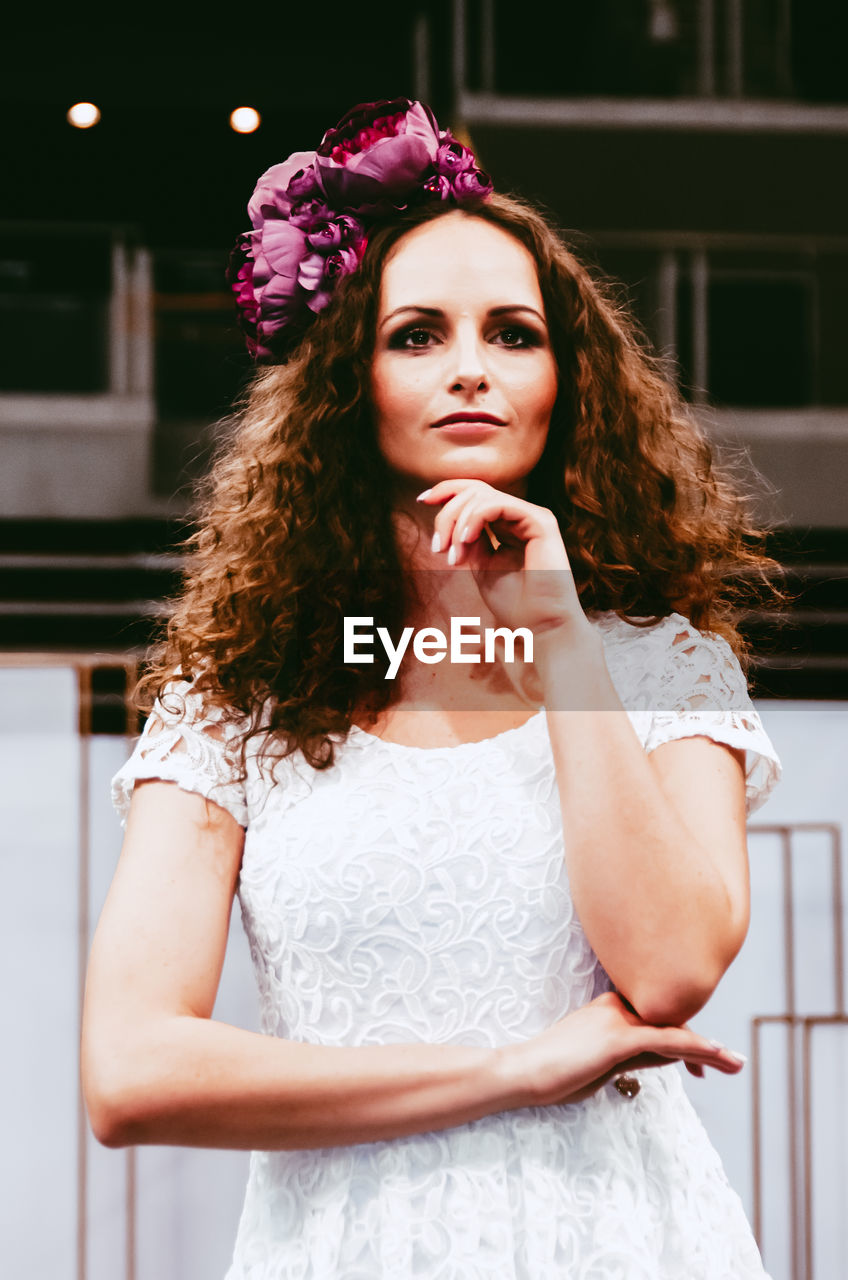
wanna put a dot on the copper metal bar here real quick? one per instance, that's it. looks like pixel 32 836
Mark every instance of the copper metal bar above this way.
pixel 130 1214
pixel 808 1154
pixel 810 1023
pixel 791 1064
pixel 756 1122
pixel 83 680
pixel 838 922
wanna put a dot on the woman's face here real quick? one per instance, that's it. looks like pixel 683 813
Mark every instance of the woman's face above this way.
pixel 463 379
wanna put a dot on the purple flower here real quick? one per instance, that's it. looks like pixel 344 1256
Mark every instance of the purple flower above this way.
pixel 304 185
pixel 311 214
pixel 453 157
pixel 239 276
pixel 275 252
pixel 310 271
pixel 437 187
pixel 318 273
pixel 472 183
pixel 366 166
pixel 308 214
pixel 272 198
pixel 327 236
pixel 343 262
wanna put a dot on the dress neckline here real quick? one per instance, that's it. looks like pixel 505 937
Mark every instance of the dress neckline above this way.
pixel 364 736
pixel 606 623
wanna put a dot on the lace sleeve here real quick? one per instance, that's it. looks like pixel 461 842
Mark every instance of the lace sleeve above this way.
pixel 181 743
pixel 701 690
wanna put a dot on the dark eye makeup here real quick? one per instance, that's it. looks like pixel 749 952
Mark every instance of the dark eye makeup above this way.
pixel 417 337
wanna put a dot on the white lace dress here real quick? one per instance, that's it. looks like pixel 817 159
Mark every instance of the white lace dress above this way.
pixel 420 895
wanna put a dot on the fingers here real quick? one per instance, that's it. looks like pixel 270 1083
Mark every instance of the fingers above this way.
pixel 682 1045
pixel 468 507
pixel 461 520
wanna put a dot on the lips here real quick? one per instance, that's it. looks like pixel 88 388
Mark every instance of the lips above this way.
pixel 470 417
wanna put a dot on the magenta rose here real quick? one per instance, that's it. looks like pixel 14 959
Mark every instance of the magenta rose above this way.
pixel 376 154
pixel 308 214
pixel 453 158
pixel 471 184
pixel 334 233
pixel 311 214
pixel 319 272
pixel 239 276
pixel 283 185
pixel 274 251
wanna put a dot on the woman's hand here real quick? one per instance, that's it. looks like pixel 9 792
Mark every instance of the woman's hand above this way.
pixel 584 1050
pixel 527 581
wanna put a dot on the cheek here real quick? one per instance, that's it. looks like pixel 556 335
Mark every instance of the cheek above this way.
pixel 398 390
pixel 537 393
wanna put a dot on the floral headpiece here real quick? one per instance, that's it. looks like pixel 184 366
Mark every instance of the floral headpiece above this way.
pixel 312 214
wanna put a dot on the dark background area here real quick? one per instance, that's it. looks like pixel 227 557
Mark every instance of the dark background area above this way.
pixel 164 160
pixel 163 157
pixel 765 206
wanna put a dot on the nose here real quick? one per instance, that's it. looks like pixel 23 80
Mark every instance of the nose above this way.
pixel 469 370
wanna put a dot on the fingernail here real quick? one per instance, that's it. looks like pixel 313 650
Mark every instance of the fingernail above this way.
pixel 717 1044
pixel 737 1057
pixel 464 534
pixel 452 555
pixel 423 495
pixel 436 544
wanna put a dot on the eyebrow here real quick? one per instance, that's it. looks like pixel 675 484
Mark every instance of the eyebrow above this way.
pixel 509 309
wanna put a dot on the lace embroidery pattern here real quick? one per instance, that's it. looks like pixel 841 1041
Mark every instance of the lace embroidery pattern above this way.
pixel 701 689
pixel 180 744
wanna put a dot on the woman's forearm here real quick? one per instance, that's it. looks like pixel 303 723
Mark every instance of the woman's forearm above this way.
pixel 654 907
pixel 191 1081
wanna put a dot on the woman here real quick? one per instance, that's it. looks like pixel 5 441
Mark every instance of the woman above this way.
pixel 480 912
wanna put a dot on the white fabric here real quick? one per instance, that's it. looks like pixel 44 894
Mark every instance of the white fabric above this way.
pixel 420 895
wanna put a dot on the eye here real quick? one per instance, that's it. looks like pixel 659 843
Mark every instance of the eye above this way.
pixel 516 335
pixel 415 337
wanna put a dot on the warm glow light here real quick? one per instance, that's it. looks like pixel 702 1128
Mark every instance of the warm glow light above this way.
pixel 245 120
pixel 82 115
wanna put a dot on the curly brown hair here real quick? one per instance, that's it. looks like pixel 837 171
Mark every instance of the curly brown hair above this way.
pixel 292 534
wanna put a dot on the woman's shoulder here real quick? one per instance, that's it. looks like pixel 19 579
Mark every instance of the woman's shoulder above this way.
pixel 670 656
pixel 651 631
pixel 191 739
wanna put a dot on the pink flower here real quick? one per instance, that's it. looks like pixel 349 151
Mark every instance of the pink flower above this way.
pixel 367 168
pixel 437 186
pixel 318 273
pixel 453 157
pixel 327 236
pixel 274 252
pixel 311 214
pixel 271 197
pixel 471 184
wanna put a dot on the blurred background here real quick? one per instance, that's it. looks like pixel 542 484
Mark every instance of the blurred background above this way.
pixel 697 152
